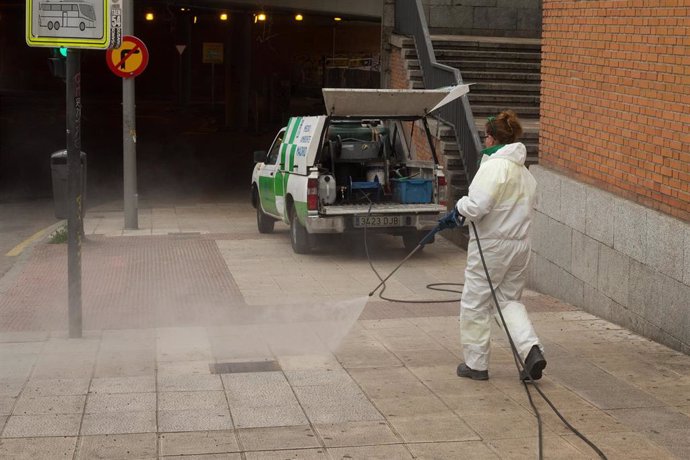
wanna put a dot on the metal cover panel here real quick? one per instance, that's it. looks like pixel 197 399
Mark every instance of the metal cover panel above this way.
pixel 243 367
pixel 344 102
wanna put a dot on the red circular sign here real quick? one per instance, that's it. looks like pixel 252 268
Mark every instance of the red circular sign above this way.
pixel 130 59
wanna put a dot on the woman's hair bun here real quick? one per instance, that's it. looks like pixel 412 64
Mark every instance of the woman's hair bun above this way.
pixel 509 128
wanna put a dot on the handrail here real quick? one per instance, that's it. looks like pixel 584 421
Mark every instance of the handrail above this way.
pixel 410 20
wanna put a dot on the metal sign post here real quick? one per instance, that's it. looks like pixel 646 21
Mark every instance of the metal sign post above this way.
pixel 74 191
pixel 129 134
pixel 87 24
pixel 128 61
pixel 212 53
pixel 180 50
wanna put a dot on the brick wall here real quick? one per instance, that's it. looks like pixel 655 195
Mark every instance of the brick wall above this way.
pixel 399 80
pixel 398 71
pixel 616 98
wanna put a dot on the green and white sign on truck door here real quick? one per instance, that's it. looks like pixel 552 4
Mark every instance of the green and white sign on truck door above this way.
pixel 286 167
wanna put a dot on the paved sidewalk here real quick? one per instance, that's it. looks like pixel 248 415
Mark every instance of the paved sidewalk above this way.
pixel 201 341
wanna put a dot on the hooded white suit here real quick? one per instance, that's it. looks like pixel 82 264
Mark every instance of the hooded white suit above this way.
pixel 500 202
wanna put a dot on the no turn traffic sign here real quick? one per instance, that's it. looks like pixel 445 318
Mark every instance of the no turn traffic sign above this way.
pixel 130 59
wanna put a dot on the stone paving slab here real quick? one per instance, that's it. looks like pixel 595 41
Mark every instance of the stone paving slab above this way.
pixel 38 447
pixel 119 423
pixel 468 449
pixel 42 405
pixel 30 426
pixel 112 385
pixel 268 416
pixel 274 438
pixel 301 454
pixel 139 385
pixel 99 403
pixel 198 443
pixel 194 420
pixel 359 433
pixel 134 446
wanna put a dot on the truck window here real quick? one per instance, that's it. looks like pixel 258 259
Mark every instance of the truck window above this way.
pixel 275 149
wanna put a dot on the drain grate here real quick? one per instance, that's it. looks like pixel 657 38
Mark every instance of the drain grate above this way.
pixel 246 366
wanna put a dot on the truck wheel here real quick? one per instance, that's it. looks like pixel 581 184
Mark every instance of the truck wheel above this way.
pixel 412 239
pixel 263 221
pixel 298 235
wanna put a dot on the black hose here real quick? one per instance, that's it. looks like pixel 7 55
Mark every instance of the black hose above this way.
pixel 521 367
pixel 519 363
pixel 431 286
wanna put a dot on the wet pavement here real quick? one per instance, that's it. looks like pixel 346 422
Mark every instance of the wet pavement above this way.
pixel 197 289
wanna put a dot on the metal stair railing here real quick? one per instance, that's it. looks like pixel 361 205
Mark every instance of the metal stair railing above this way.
pixel 410 21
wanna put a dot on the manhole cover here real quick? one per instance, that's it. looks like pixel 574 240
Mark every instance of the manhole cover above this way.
pixel 246 366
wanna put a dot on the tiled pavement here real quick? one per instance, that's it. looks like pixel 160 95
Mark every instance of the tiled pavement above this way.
pixel 198 285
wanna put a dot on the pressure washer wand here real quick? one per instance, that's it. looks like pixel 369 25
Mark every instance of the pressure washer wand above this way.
pixel 424 241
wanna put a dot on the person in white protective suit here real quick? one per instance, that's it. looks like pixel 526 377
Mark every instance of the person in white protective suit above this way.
pixel 500 203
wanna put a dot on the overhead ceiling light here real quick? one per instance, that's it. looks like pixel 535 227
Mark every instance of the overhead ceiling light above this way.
pixel 337 18
pixel 223 16
pixel 299 17
pixel 149 16
pixel 261 17
pixel 194 19
pixel 183 9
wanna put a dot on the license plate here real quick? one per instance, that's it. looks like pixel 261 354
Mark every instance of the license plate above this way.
pixel 378 221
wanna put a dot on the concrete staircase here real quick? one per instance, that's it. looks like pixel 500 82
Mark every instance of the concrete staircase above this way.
pixel 449 151
pixel 409 55
pixel 506 73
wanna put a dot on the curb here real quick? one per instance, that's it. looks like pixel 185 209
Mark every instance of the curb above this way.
pixel 8 279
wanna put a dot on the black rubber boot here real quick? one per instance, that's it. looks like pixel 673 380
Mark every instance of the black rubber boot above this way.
pixel 465 371
pixel 534 364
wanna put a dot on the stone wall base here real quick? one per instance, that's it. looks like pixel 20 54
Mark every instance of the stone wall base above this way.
pixel 612 257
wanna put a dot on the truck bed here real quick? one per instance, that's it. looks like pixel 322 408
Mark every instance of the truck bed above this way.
pixel 381 208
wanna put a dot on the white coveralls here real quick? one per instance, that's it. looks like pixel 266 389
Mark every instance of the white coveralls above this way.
pixel 500 202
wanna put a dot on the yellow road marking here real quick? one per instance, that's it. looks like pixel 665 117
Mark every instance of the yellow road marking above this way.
pixel 14 252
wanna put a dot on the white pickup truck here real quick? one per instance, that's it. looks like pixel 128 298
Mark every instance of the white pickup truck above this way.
pixel 351 169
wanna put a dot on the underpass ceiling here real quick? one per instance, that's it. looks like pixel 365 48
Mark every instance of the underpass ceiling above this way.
pixel 364 9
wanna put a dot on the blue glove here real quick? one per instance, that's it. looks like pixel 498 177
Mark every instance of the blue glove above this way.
pixel 451 220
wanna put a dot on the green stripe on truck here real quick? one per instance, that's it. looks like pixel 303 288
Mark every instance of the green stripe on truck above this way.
pixel 266 195
pixel 301 210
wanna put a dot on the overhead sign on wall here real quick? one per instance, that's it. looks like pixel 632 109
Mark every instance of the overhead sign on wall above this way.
pixel 212 53
pixel 90 24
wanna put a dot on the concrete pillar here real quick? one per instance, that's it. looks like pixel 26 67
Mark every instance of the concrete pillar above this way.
pixel 186 31
pixel 238 45
pixel 387 26
pixel 228 65
pixel 244 69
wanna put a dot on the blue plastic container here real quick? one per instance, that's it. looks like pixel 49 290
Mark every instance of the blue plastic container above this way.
pixel 373 189
pixel 412 190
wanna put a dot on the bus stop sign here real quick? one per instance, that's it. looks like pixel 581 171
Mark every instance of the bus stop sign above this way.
pixel 88 24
